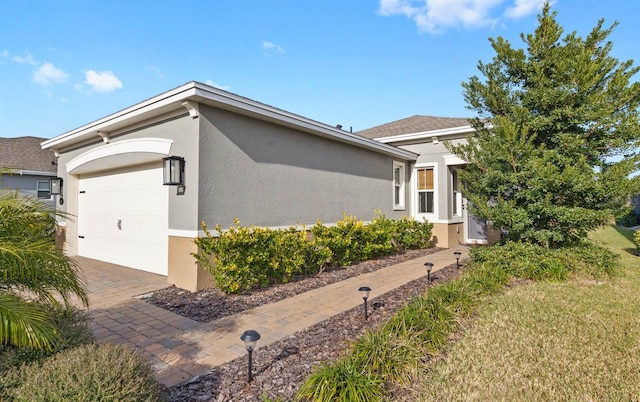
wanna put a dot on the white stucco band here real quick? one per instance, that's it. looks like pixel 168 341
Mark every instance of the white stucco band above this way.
pixel 144 150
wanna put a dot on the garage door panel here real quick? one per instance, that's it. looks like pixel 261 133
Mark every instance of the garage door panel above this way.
pixel 123 219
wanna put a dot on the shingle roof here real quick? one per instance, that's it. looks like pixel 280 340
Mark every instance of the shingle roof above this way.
pixel 414 124
pixel 26 153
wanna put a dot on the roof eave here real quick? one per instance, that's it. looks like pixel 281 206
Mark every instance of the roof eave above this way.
pixel 202 93
pixel 444 132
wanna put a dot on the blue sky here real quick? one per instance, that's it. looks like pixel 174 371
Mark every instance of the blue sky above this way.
pixel 359 63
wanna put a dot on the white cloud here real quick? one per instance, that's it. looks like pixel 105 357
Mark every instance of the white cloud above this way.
pixel 435 16
pixel 103 81
pixel 48 74
pixel 26 59
pixel 156 71
pixel 266 45
pixel 523 8
pixel 213 84
pixel 5 53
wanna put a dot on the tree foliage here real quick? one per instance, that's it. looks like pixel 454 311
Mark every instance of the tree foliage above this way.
pixel 33 273
pixel 557 133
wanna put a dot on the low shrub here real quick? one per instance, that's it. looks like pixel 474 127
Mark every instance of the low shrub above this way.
pixel 531 261
pixel 244 258
pixel 627 217
pixel 73 328
pixel 86 373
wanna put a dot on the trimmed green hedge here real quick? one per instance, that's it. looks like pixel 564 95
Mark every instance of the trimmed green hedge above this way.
pixel 244 258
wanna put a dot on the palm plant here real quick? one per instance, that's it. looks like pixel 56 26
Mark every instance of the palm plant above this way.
pixel 34 273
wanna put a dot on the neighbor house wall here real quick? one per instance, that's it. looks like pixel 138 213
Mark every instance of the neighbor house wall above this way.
pixel 27 184
pixel 269 175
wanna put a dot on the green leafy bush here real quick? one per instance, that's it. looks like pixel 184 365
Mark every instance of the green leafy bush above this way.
pixel 87 373
pixel 531 261
pixel 244 258
pixel 73 329
pixel 627 217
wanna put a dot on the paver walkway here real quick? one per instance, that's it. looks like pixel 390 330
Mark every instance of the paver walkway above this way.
pixel 180 348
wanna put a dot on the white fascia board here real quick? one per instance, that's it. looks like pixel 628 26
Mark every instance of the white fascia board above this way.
pixel 104 124
pixel 22 172
pixel 427 134
pixel 282 117
pixel 226 100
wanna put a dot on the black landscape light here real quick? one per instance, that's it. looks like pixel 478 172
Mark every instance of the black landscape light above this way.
pixel 429 266
pixel 364 292
pixel 457 254
pixel 250 338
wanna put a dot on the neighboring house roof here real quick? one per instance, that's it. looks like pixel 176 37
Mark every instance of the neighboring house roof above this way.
pixel 189 95
pixel 25 154
pixel 418 125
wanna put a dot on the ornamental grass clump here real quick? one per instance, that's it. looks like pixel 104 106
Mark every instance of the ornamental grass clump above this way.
pixel 90 373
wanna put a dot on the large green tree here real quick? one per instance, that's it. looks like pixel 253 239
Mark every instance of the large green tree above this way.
pixel 34 273
pixel 557 132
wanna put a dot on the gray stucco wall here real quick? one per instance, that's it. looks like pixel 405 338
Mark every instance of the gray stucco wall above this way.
pixel 183 130
pixel 430 153
pixel 27 185
pixel 269 175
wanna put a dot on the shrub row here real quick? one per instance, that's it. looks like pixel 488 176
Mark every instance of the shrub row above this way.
pixel 244 258
pixel 394 353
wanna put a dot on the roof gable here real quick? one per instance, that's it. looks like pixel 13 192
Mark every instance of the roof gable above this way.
pixel 26 153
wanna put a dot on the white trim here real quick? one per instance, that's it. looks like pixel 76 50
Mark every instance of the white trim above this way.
pixel 192 234
pixel 401 205
pixel 431 217
pixel 30 173
pixel 453 160
pixel 149 145
pixel 427 134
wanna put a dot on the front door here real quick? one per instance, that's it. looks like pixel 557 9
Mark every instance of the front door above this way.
pixel 475 229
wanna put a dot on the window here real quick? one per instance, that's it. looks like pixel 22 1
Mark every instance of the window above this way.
pixel 425 190
pixel 44 189
pixel 398 185
pixel 456 196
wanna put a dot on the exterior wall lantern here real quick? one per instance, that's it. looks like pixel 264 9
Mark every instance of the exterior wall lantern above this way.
pixel 364 292
pixel 55 187
pixel 250 338
pixel 429 266
pixel 173 170
pixel 55 183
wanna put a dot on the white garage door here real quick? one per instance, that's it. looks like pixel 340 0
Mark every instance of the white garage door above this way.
pixel 123 219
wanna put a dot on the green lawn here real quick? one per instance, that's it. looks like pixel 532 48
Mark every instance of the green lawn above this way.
pixel 577 340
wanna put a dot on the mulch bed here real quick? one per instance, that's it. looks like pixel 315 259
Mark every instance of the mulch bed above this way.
pixel 280 368
pixel 210 304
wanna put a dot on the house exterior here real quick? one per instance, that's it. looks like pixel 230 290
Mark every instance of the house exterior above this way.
pixel 434 191
pixel 30 167
pixel 242 159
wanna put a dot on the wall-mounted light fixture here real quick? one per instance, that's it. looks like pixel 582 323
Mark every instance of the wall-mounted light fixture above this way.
pixel 55 183
pixel 173 169
pixel 55 187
